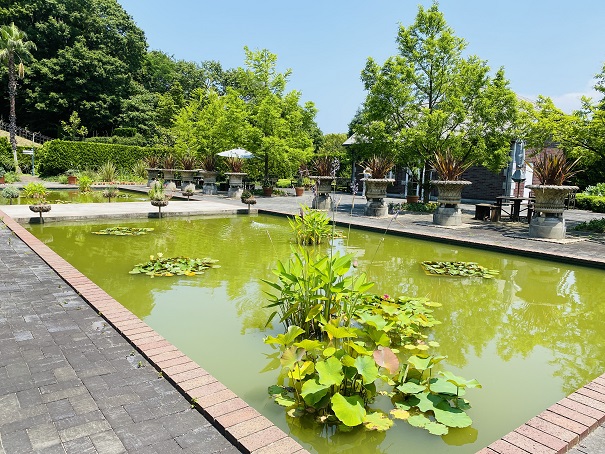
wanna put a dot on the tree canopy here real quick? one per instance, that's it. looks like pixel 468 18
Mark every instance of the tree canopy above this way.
pixel 429 99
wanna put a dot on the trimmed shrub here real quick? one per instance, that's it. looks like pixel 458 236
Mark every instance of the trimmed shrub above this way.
pixel 590 202
pixel 57 156
pixel 6 156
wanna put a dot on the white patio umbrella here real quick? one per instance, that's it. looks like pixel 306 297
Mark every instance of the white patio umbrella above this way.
pixel 236 153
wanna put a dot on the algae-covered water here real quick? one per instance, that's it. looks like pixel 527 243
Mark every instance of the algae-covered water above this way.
pixel 530 336
pixel 75 196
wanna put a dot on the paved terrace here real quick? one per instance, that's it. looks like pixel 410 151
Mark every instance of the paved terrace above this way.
pixel 73 381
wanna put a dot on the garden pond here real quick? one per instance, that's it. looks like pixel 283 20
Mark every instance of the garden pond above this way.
pixel 531 335
pixel 74 196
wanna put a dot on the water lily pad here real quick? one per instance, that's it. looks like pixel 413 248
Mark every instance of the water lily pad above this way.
pixel 462 269
pixel 377 421
pixel 171 266
pixel 124 231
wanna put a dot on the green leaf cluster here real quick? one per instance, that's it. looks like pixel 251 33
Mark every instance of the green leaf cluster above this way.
pixel 124 231
pixel 459 269
pixel 591 202
pixel 173 266
pixel 312 226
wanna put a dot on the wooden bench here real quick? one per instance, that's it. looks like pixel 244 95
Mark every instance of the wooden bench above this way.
pixel 485 211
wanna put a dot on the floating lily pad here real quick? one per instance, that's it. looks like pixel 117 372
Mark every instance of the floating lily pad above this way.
pixel 124 231
pixel 173 266
pixel 461 269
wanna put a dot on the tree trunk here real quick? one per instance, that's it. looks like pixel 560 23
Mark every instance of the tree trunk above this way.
pixel 12 92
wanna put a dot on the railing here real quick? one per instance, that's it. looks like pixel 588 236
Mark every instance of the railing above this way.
pixel 35 137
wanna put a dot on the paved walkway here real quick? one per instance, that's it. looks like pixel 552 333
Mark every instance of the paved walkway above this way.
pixel 71 383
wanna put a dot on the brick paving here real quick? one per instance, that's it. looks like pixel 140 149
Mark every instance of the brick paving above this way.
pixel 91 358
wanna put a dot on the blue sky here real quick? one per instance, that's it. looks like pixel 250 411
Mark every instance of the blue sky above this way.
pixel 547 47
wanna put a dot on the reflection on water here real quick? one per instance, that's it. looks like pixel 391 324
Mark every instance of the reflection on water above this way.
pixel 75 196
pixel 530 336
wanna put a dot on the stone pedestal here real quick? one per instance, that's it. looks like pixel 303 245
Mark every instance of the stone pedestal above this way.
pixel 236 184
pixel 548 226
pixel 376 192
pixel 322 202
pixel 448 216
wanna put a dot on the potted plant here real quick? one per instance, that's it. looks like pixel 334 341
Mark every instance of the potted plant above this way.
pixel 267 187
pixel 168 165
pixel 2 172
pixel 11 192
pixel 158 196
pixel 412 185
pixel 376 184
pixel 208 174
pixel 248 198
pixel 325 168
pixel 72 176
pixel 235 176
pixel 303 172
pixel 152 166
pixel 449 186
pixel 551 170
pixel 110 192
pixel 189 190
pixel 188 168
pixel 37 192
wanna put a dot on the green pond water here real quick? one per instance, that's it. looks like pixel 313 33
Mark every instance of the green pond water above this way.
pixel 71 196
pixel 530 336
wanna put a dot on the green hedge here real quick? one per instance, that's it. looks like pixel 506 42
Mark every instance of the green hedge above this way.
pixel 57 156
pixel 591 202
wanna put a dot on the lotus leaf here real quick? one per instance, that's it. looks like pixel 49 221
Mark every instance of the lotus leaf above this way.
pixel 461 382
pixel 124 231
pixel 377 421
pixel 349 410
pixel 451 416
pixel 312 391
pixel 290 357
pixel 330 371
pixel 366 367
pixel 411 388
pixel 436 428
pixel 385 357
pixel 285 401
pixel 418 420
pixel 400 413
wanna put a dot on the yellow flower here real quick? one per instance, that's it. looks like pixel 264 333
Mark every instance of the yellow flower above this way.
pixel 160 255
pixel 151 257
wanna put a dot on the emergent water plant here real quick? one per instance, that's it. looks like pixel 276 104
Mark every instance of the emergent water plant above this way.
pixel 342 347
pixel 312 226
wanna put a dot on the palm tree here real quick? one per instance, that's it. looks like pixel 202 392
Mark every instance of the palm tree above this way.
pixel 14 46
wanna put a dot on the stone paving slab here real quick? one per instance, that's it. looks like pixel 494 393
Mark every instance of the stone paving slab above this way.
pixel 71 383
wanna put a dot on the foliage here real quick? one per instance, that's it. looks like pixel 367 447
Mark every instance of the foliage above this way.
pixel 157 192
pixel 248 198
pixel 594 225
pixel 173 266
pixel 56 156
pixel 349 344
pixel 448 166
pixel 379 166
pixel 429 99
pixel 34 190
pixel 124 231
pixel 74 128
pixel 591 202
pixel 85 183
pixel 597 190
pixel 107 172
pixel 152 162
pixel 10 192
pixel 110 192
pixel 188 161
pixel 11 177
pixel 139 169
pixel 460 269
pixel 2 171
pixel 234 164
pixel 554 168
pixel 418 207
pixel 208 163
pixel 311 226
pixel 169 161
pixel 324 165
pixel 189 190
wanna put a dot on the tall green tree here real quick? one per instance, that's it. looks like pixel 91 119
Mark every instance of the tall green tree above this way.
pixel 14 50
pixel 429 99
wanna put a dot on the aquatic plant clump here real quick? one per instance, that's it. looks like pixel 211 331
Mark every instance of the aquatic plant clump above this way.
pixel 342 348
pixel 173 266
pixel 459 269
pixel 124 231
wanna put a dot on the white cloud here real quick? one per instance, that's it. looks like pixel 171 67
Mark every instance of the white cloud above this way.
pixel 568 102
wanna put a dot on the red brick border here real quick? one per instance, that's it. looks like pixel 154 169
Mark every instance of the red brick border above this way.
pixel 556 430
pixel 245 427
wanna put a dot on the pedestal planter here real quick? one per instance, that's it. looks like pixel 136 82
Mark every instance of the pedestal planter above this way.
pixel 209 177
pixel 376 192
pixel 187 176
pixel 41 208
pixel 323 186
pixel 152 174
pixel 548 221
pixel 168 174
pixel 159 204
pixel 236 184
pixel 449 195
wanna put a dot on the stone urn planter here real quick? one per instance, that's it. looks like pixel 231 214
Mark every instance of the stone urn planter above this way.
pixel 209 178
pixel 376 193
pixel 449 194
pixel 236 184
pixel 169 174
pixel 159 204
pixel 548 221
pixel 187 176
pixel 40 208
pixel 323 186
pixel 152 174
